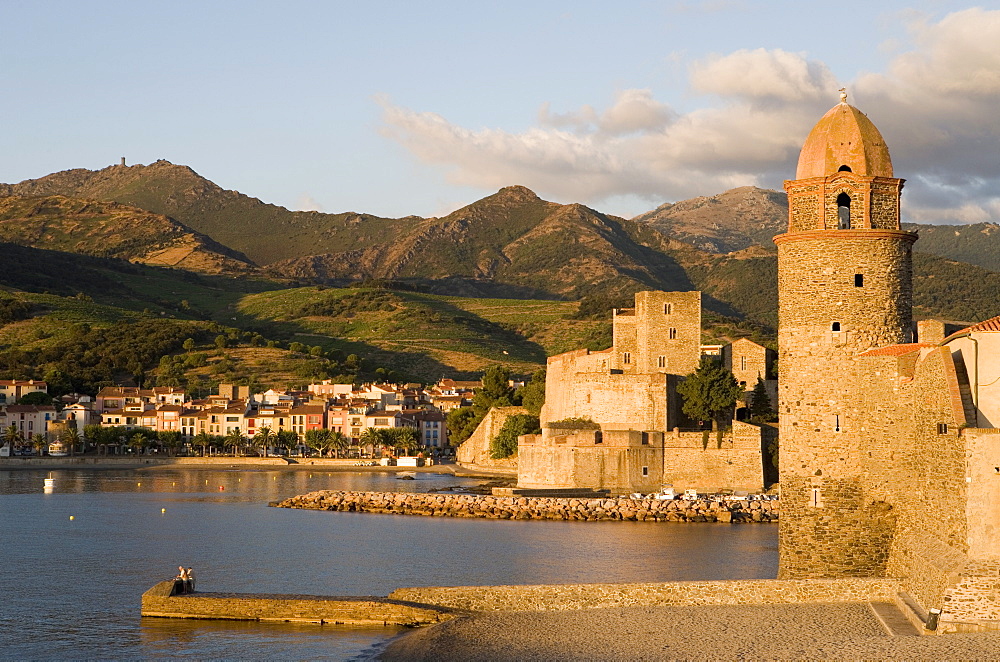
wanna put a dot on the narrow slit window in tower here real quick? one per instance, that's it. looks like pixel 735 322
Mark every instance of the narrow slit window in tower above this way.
pixel 844 211
pixel 661 362
pixel 836 423
pixel 672 334
pixel 835 326
pixel 626 357
pixel 668 308
pixel 859 280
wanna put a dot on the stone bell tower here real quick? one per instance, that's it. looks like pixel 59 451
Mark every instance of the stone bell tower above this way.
pixel 844 286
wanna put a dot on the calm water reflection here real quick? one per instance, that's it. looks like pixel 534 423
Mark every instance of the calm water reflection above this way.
pixel 74 585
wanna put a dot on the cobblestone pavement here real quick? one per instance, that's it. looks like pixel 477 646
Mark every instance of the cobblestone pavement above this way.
pixel 744 632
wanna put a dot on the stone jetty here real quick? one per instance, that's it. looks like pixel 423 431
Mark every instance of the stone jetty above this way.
pixel 536 508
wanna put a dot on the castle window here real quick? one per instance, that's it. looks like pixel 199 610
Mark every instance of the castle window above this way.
pixel 661 362
pixel 626 357
pixel 743 363
pixel 672 334
pixel 859 280
pixel 942 428
pixel 844 168
pixel 836 423
pixel 816 499
pixel 645 471
pixel 844 211
pixel 835 326
pixel 644 438
pixel 668 308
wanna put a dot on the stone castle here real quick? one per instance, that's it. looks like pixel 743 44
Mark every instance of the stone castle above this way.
pixel 635 440
pixel 890 461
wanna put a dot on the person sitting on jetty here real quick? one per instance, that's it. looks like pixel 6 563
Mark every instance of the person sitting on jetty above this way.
pixel 189 574
pixel 181 580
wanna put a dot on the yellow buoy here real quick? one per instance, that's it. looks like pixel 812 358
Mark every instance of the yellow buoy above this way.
pixel 138 484
pixel 163 510
pixel 71 518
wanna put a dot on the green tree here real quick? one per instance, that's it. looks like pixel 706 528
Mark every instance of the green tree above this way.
pixel 504 444
pixel 532 394
pixel 287 440
pixel 221 341
pixel 461 423
pixel 761 410
pixel 170 439
pixel 710 392
pixel 495 391
pixel 188 344
pixel 35 398
pixel 318 440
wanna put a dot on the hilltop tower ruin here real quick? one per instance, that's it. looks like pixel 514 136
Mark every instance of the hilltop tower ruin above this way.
pixel 844 287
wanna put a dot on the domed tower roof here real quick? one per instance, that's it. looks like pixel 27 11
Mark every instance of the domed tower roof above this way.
pixel 844 139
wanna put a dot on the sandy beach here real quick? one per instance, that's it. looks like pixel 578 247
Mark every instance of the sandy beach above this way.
pixel 842 631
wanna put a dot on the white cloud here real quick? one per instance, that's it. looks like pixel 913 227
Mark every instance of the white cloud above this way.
pixel 306 202
pixel 935 103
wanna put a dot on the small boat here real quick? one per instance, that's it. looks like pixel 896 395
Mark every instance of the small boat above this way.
pixel 58 449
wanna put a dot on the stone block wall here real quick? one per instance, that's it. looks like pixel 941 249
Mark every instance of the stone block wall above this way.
pixel 616 460
pixel 475 451
pixel 614 401
pixel 604 596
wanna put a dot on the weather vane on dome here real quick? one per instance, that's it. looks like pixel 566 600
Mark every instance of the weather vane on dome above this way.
pixel 843 95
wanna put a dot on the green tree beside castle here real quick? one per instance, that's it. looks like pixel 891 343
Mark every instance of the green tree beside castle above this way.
pixel 709 393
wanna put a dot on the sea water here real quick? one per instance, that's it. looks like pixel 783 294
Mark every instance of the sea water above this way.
pixel 77 560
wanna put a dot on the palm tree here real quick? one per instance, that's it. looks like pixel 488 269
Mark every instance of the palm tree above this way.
pixel 405 439
pixel 39 443
pixel 138 441
pixel 171 440
pixel 13 436
pixel 70 436
pixel 338 441
pixel 263 438
pixel 202 439
pixel 234 438
pixel 374 437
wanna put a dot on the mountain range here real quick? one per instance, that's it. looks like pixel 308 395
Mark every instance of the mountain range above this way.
pixel 509 245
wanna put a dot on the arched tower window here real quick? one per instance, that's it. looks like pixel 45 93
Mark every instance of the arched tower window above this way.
pixel 844 168
pixel 844 211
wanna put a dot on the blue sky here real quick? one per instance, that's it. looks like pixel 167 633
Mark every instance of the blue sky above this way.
pixel 396 108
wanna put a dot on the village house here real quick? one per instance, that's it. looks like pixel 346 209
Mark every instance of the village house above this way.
pixel 12 390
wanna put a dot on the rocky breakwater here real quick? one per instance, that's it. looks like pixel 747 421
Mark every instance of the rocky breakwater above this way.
pixel 532 508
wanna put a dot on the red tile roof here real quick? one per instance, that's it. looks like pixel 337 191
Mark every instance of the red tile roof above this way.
pixel 896 350
pixel 992 324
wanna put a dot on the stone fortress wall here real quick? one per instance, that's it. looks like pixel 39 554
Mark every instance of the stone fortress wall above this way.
pixel 629 391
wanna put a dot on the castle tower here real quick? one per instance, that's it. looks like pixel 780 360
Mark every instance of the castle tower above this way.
pixel 844 286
